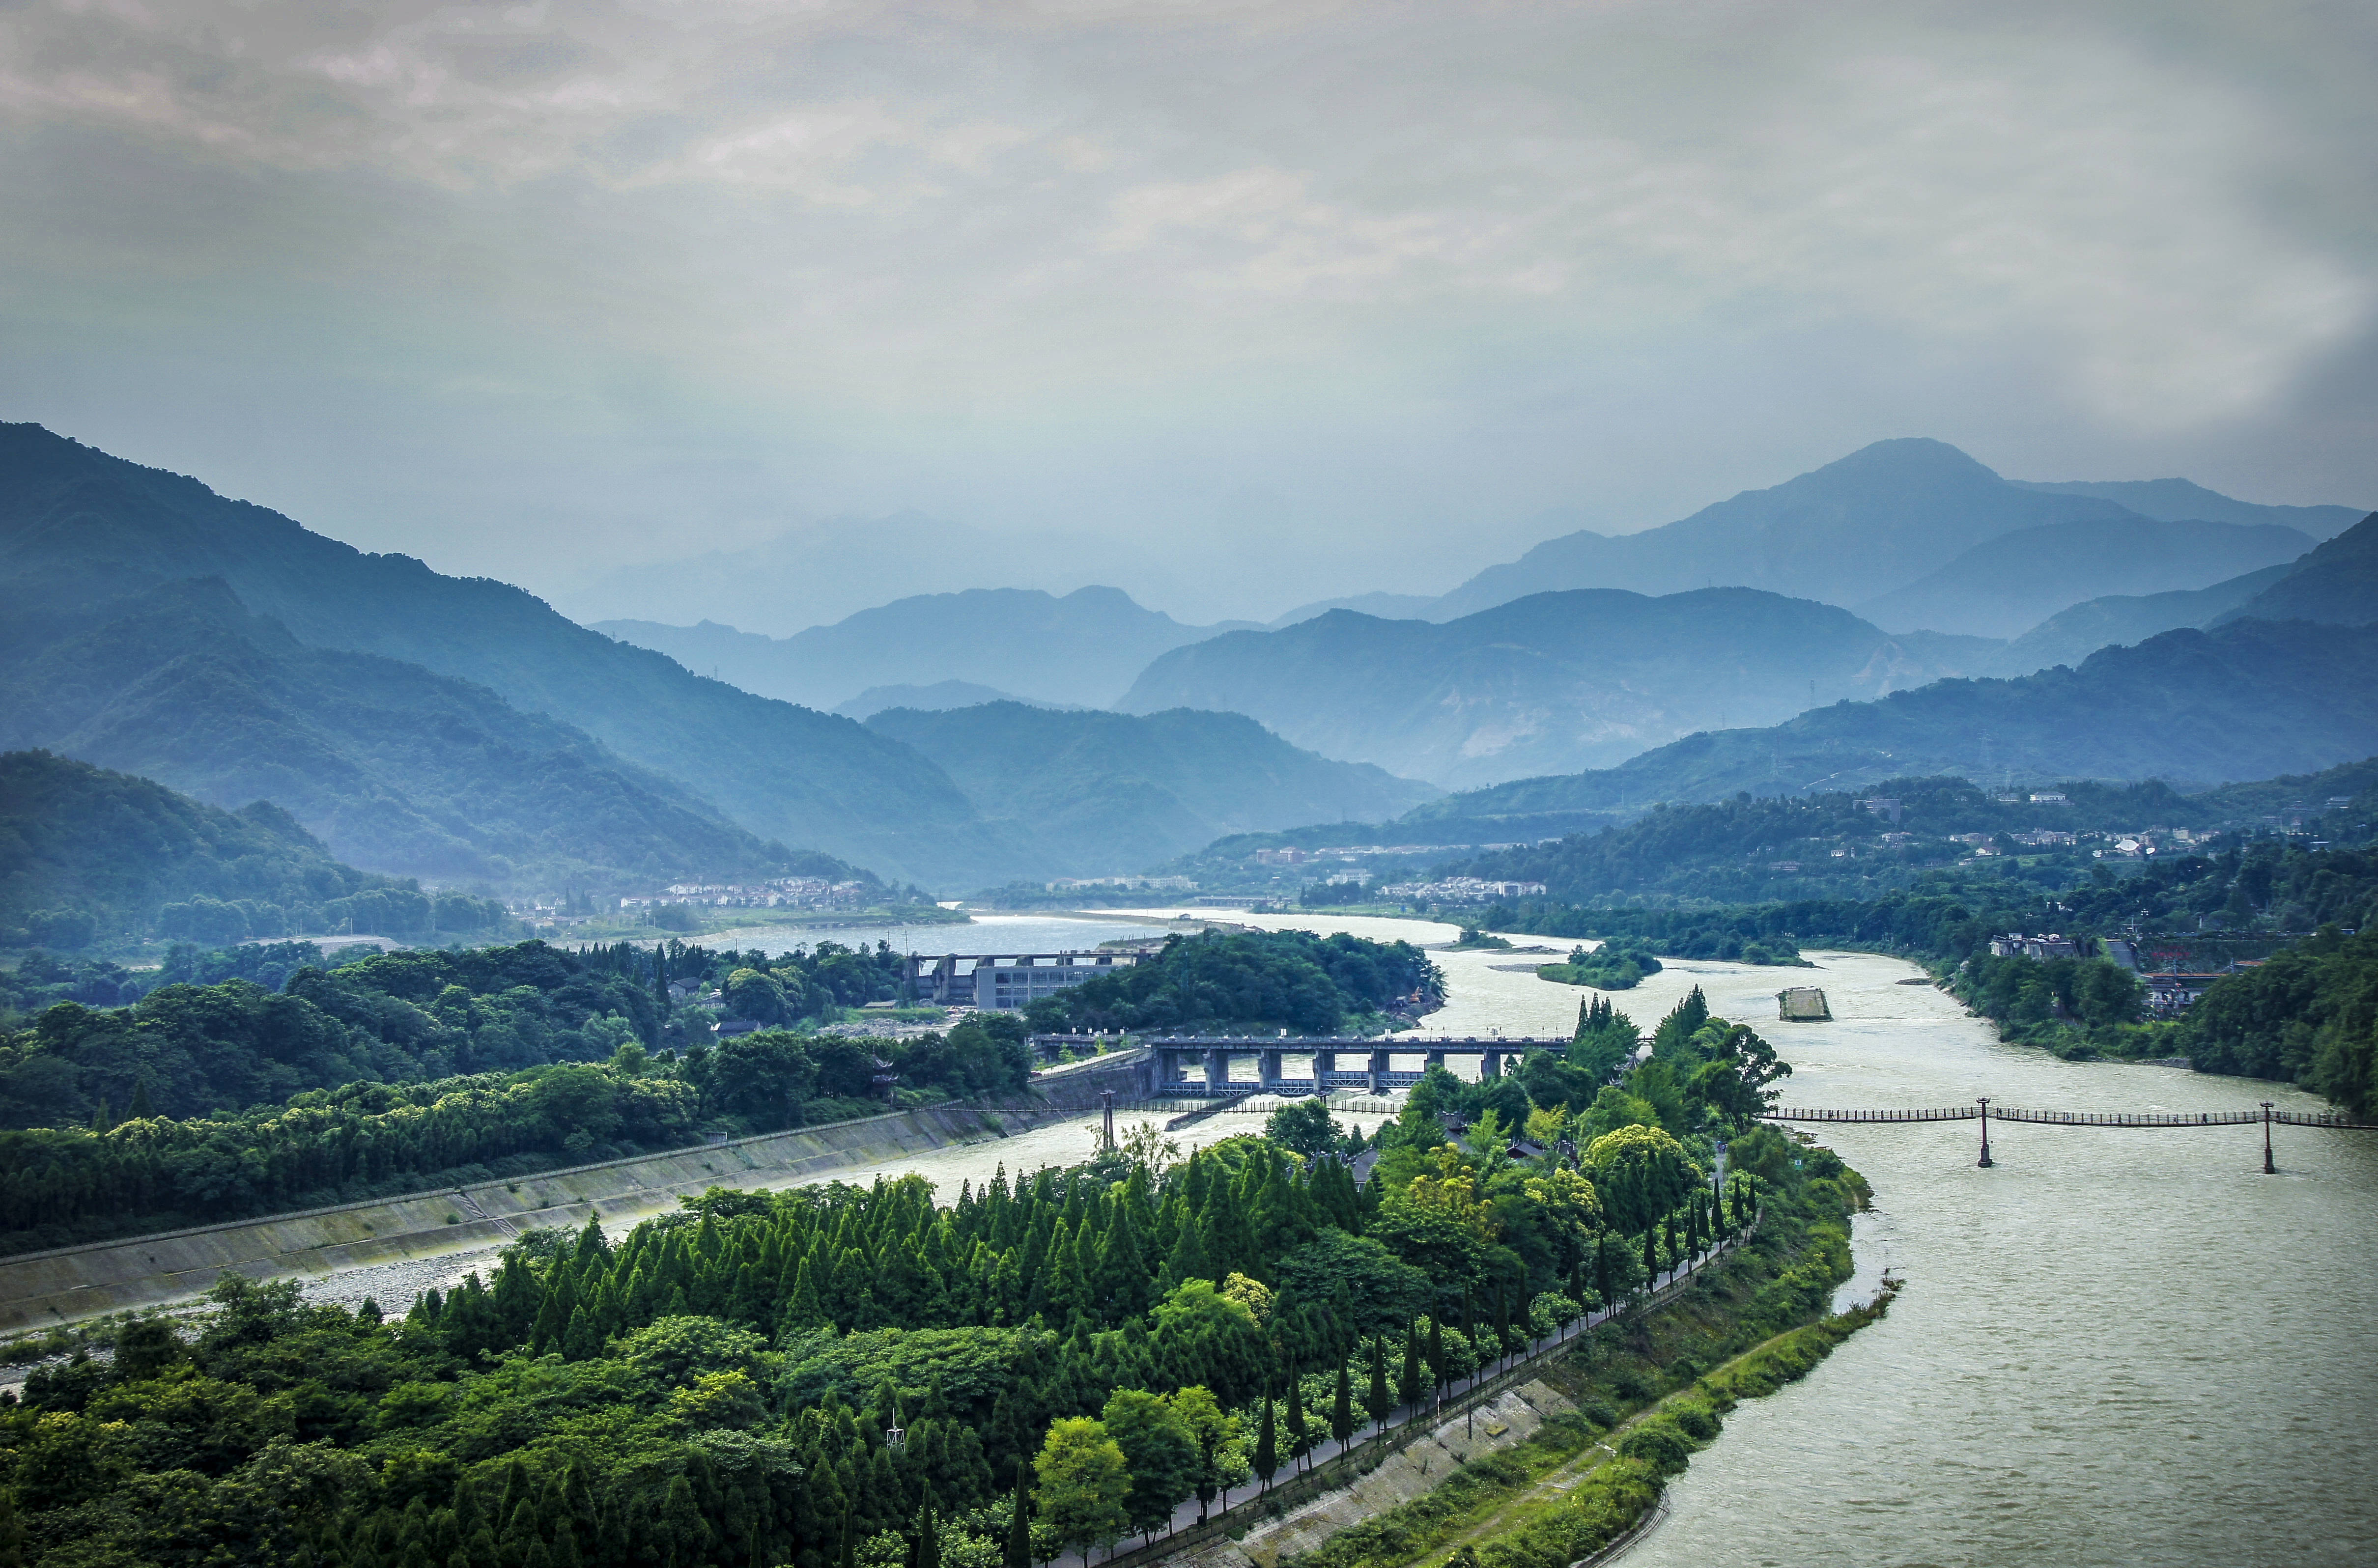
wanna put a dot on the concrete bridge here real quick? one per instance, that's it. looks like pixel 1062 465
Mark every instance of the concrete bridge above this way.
pixel 1372 1063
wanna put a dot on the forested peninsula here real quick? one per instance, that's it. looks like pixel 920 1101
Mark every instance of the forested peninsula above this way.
pixel 838 1377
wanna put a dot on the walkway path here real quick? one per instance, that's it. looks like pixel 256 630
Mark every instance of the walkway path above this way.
pixel 1404 1423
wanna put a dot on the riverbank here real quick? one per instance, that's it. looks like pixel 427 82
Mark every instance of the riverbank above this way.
pixel 1554 1464
pixel 42 1290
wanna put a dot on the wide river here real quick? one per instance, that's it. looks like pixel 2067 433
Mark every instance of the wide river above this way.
pixel 2114 1346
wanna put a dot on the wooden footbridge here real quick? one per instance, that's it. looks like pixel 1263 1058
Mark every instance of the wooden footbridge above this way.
pixel 1983 1112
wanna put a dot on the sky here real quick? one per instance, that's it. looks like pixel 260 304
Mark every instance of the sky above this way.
pixel 1233 305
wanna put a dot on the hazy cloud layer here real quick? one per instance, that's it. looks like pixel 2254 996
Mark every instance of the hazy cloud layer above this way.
pixel 1268 302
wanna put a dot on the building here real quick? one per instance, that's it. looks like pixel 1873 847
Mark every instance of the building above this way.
pixel 2016 945
pixel 1003 982
pixel 2048 797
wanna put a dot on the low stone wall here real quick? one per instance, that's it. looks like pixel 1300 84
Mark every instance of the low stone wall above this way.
pixel 40 1289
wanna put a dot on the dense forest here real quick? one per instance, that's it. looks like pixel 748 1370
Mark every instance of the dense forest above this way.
pixel 1252 982
pixel 92 857
pixel 2295 1018
pixel 1774 848
pixel 838 1377
pixel 203 1101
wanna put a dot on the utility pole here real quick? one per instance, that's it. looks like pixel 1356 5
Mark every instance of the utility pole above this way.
pixel 1985 1161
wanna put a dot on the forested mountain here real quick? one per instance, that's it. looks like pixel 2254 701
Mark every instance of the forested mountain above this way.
pixel 1893 513
pixel 2337 582
pixel 1097 793
pixel 1080 649
pixel 77 525
pixel 392 767
pixel 2177 500
pixel 2004 586
pixel 1828 844
pixel 930 699
pixel 2248 700
pixel 2071 635
pixel 1554 682
pixel 87 855
pixel 1864 525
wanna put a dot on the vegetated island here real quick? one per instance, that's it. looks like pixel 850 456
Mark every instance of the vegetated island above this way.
pixel 844 1375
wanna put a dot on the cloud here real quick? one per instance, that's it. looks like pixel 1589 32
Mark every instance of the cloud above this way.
pixel 999 261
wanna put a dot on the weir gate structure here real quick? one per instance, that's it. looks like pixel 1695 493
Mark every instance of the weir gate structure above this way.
pixel 1981 1110
pixel 1338 1062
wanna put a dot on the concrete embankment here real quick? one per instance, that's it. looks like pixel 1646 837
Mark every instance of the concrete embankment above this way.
pixel 40 1289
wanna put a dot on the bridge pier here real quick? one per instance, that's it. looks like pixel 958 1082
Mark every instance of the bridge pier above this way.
pixel 1985 1161
pixel 2269 1168
pixel 1489 1066
pixel 1217 1070
pixel 1378 1071
pixel 1267 1070
pixel 1324 1064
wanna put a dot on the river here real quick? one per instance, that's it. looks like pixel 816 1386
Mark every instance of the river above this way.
pixel 2115 1347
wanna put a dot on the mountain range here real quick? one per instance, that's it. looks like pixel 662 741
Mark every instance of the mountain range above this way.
pixel 2247 700
pixel 1875 522
pixel 461 728
pixel 1080 649
pixel 1097 791
pixel 1551 683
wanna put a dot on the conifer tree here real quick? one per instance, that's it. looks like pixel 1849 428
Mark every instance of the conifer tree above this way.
pixel 1299 1438
pixel 1380 1401
pixel 1437 1356
pixel 1410 1387
pixel 1267 1445
pixel 1019 1525
pixel 1341 1407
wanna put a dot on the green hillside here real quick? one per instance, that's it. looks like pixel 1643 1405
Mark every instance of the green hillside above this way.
pixel 92 856
pixel 1101 793
pixel 394 768
pixel 78 525
pixel 2250 700
pixel 2337 582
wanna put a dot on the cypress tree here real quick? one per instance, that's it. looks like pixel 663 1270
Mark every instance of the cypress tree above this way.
pixel 1379 1403
pixel 1436 1355
pixel 1267 1445
pixel 1019 1525
pixel 1341 1407
pixel 1298 1439
pixel 1410 1387
pixel 1650 1259
pixel 929 1542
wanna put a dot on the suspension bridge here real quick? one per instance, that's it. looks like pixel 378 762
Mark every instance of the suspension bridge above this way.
pixel 1983 1112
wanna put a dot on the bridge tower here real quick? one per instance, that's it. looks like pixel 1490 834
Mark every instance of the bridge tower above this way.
pixel 2268 1168
pixel 1985 1161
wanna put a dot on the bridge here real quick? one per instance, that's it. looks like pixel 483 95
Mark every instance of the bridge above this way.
pixel 1983 1112
pixel 1212 1055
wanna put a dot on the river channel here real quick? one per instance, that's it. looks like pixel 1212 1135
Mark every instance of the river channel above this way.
pixel 2115 1347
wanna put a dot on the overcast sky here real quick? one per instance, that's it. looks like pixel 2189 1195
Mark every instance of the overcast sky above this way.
pixel 1272 301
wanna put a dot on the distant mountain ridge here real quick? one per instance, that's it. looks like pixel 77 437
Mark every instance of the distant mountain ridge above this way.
pixel 1857 528
pixel 1554 682
pixel 2249 700
pixel 78 525
pixel 2005 586
pixel 1081 649
pixel 395 769
pixel 1107 793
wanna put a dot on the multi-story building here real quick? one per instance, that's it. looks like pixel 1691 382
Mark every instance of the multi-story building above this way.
pixel 1003 982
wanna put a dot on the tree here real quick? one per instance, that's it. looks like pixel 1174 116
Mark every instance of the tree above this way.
pixel 1160 1450
pixel 1083 1483
pixel 1341 1407
pixel 1300 1437
pixel 1640 1173
pixel 1018 1553
pixel 1410 1385
pixel 1267 1445
pixel 929 1540
pixel 1378 1402
pixel 1304 1126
